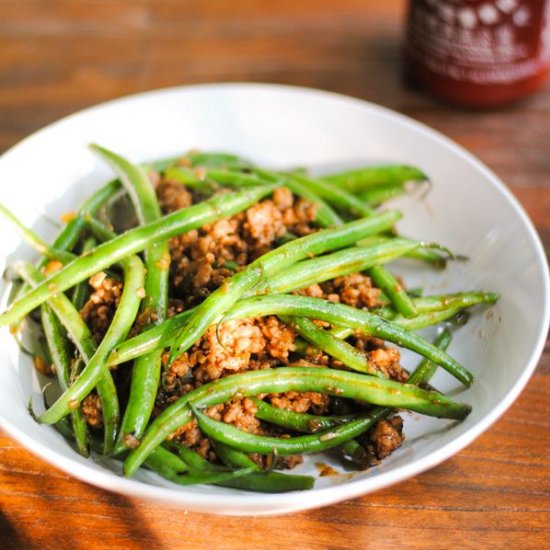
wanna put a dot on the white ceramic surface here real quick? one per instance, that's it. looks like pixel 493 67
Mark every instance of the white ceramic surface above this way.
pixel 468 209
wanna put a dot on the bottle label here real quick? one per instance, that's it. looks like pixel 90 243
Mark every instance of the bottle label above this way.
pixel 487 42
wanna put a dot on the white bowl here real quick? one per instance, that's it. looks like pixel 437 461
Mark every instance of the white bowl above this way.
pixel 468 209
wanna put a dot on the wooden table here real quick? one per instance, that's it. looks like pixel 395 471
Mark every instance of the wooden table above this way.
pixel 58 56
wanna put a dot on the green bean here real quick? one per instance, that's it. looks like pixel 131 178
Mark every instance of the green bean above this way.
pixel 67 239
pixel 271 482
pixel 343 315
pixel 165 463
pixel 300 422
pixel 192 458
pixel 146 369
pixel 362 179
pixel 350 356
pixel 70 318
pixel 64 426
pixel 335 195
pixel 431 310
pixel 118 329
pixel 160 165
pixel 426 304
pixel 212 477
pixel 106 389
pixel 144 383
pixel 189 178
pixel 131 242
pixel 83 339
pixel 233 458
pixel 430 253
pixel 100 230
pixel 71 233
pixel 98 199
pixel 135 182
pixel 268 265
pixel 323 268
pixel 170 466
pixel 39 244
pixel 381 277
pixel 304 444
pixel 389 285
pixel 81 290
pixel 215 159
pixel 61 357
pixel 343 384
pixel 379 195
pixel 110 409
pixel 265 482
pixel 355 452
pixel 429 256
pixel 426 369
pixel 195 159
pixel 427 319
pixel 441 302
pixel 153 338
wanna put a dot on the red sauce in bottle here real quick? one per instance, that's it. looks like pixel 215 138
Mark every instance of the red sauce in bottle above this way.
pixel 479 53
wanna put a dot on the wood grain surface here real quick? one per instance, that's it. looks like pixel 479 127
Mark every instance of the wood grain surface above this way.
pixel 58 56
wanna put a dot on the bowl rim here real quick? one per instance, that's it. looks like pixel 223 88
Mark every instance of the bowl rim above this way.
pixel 241 503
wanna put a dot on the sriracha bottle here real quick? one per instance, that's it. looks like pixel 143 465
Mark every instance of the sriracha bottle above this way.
pixel 479 53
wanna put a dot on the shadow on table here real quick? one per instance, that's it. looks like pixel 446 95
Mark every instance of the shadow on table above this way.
pixel 10 537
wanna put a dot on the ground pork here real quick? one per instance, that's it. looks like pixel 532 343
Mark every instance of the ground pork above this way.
pixel 91 409
pixel 239 413
pixel 100 308
pixel 384 358
pixel 354 290
pixel 264 224
pixel 233 346
pixel 202 259
pixel 382 439
pixel 172 196
pixel 301 402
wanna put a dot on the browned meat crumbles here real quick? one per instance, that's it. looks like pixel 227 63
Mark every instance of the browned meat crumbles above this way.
pixel 238 412
pixel 99 310
pixel 234 346
pixel 301 402
pixel 353 290
pixel 191 436
pixel 387 360
pixel 384 358
pixel 384 438
pixel 173 196
pixel 264 224
pixel 200 259
pixel 91 408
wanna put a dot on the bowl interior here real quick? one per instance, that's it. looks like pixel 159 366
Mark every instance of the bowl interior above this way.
pixel 467 209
